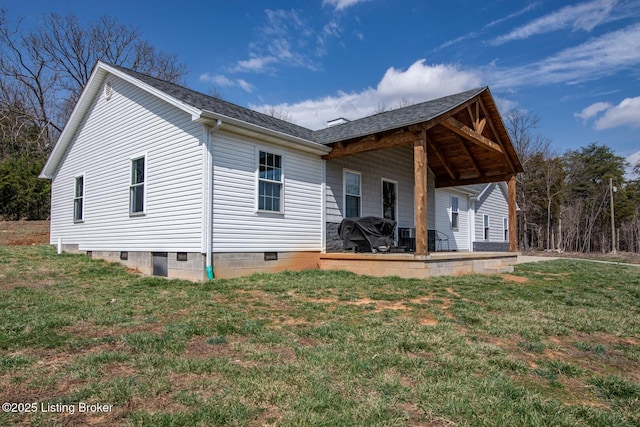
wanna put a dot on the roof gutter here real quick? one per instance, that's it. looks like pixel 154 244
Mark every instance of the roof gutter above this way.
pixel 256 131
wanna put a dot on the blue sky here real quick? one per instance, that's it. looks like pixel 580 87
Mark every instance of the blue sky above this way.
pixel 575 64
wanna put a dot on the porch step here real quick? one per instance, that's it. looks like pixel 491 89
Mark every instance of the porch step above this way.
pixel 499 269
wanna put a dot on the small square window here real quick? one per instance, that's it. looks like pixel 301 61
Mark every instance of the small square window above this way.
pixel 181 256
pixel 124 256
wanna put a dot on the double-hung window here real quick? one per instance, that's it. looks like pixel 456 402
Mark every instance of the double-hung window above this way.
pixel 485 221
pixel 454 212
pixel 270 182
pixel 136 189
pixel 78 199
pixel 352 194
pixel 505 229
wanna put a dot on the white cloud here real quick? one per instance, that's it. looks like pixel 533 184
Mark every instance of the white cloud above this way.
pixel 247 87
pixel 420 82
pixel 592 110
pixel 607 116
pixel 223 81
pixel 255 64
pixel 627 113
pixel 583 16
pixel 599 57
pixel 287 39
pixel 633 159
pixel 341 4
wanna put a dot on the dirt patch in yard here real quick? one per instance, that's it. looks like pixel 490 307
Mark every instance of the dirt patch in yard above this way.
pixel 15 233
pixel 516 279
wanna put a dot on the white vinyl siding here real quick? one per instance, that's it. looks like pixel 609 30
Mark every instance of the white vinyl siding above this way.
pixel 492 202
pixel 458 237
pixel 394 164
pixel 113 133
pixel 237 226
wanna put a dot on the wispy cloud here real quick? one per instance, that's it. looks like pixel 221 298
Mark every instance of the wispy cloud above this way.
pixel 596 58
pixel 287 39
pixel 341 4
pixel 223 81
pixel 592 110
pixel 473 34
pixel 520 12
pixel 583 16
pixel 417 83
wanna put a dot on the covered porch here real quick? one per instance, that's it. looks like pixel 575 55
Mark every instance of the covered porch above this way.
pixel 455 141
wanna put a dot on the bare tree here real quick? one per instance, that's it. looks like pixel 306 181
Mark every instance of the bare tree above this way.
pixel 279 114
pixel 521 127
pixel 48 67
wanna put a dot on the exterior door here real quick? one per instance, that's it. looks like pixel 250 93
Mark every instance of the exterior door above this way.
pixel 390 201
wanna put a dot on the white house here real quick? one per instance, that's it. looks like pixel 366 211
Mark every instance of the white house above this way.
pixel 177 183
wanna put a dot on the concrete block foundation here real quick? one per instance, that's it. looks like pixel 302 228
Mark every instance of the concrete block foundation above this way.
pixel 411 266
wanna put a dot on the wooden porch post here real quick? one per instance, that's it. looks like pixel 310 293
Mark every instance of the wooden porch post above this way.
pixel 420 197
pixel 513 236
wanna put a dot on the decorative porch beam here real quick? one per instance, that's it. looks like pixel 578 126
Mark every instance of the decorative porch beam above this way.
pixel 470 155
pixel 420 195
pixel 443 182
pixel 371 143
pixel 478 125
pixel 442 159
pixel 497 135
pixel 470 134
pixel 511 195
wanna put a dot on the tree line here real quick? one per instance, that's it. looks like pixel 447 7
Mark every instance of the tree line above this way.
pixel 42 74
pixel 565 200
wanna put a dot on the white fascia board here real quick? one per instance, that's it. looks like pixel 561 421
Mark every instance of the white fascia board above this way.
pixel 241 127
pixel 91 89
pixel 484 190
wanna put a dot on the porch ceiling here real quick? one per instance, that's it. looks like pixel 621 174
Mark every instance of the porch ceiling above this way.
pixel 466 143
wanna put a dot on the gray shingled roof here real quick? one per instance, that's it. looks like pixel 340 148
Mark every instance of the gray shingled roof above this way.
pixel 380 122
pixel 216 105
pixel 394 119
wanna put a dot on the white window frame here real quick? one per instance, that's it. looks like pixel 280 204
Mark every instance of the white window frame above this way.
pixel 77 198
pixel 486 227
pixel 142 184
pixel 281 182
pixel 505 229
pixel 456 212
pixel 344 191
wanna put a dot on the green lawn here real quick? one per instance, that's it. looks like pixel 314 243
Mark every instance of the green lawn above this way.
pixel 554 344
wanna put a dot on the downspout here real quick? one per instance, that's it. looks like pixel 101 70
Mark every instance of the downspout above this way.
pixel 209 202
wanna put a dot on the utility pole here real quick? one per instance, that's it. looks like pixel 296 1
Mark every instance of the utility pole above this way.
pixel 613 221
